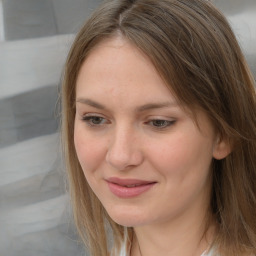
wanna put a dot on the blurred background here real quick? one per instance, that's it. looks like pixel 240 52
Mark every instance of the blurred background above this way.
pixel 35 36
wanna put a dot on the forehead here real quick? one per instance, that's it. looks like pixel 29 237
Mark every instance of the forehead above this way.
pixel 115 66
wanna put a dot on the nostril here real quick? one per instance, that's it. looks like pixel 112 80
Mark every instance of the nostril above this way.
pixel 122 159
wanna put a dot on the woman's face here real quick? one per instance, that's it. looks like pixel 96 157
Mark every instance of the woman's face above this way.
pixel 141 153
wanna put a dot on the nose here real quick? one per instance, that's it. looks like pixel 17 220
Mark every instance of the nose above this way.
pixel 124 150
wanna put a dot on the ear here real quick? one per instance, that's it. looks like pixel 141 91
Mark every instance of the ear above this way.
pixel 222 148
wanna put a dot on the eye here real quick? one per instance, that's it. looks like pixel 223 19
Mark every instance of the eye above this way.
pixel 158 123
pixel 94 120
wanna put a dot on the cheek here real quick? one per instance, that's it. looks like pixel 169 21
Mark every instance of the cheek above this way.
pixel 183 155
pixel 90 152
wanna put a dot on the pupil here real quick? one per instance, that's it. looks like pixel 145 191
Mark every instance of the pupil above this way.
pixel 96 120
pixel 159 122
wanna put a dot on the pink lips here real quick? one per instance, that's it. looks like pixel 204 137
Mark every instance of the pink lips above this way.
pixel 127 188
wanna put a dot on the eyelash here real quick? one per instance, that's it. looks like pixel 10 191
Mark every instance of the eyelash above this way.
pixel 159 124
pixel 162 124
pixel 89 120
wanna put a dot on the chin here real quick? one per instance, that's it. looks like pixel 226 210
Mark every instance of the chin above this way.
pixel 127 222
pixel 128 217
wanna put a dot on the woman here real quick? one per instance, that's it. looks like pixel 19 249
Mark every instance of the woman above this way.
pixel 159 132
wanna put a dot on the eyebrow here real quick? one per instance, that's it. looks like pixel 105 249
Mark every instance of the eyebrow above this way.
pixel 91 103
pixel 142 108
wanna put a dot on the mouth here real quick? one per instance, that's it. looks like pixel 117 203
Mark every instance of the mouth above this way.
pixel 131 186
pixel 127 188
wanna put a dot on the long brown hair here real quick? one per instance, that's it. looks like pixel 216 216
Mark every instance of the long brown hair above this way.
pixel 195 51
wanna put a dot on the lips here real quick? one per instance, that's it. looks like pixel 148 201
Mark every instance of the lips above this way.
pixel 127 188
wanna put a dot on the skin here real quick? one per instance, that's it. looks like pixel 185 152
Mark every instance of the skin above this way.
pixel 119 95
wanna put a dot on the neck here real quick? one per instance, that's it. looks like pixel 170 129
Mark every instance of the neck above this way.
pixel 176 238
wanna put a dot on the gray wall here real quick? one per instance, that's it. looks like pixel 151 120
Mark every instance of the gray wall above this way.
pixel 35 216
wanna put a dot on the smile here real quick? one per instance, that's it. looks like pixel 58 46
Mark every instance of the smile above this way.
pixel 128 188
pixel 132 186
